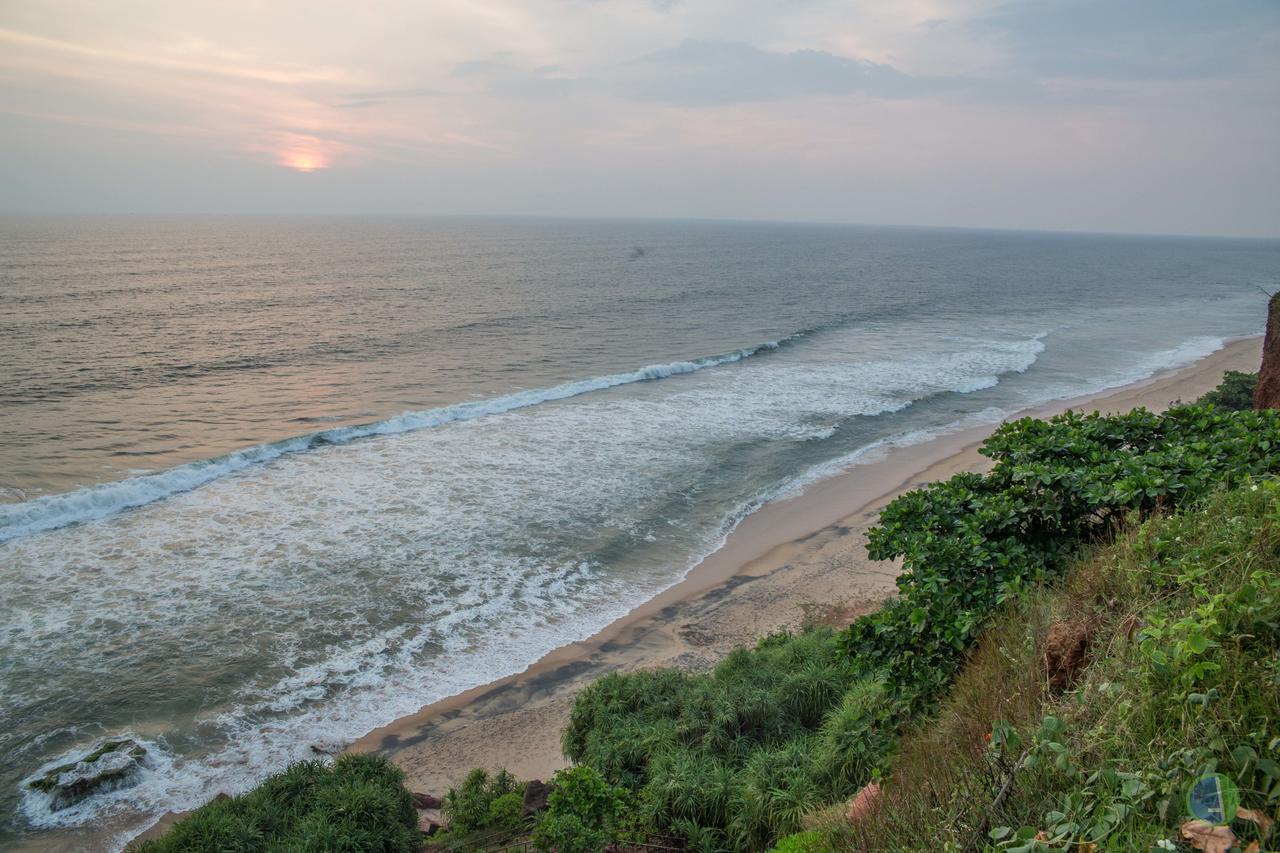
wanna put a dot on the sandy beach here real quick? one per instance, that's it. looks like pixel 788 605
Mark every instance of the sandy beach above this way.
pixel 797 559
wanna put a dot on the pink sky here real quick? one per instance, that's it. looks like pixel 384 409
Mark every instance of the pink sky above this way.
pixel 1163 118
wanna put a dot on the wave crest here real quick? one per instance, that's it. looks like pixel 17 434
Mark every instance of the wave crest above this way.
pixel 90 503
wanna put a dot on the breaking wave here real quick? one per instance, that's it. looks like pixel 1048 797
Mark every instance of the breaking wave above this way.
pixel 90 503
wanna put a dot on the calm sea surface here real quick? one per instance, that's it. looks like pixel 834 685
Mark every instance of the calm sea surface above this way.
pixel 271 482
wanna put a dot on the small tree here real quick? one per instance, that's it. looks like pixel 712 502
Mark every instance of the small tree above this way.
pixel 1235 393
pixel 583 813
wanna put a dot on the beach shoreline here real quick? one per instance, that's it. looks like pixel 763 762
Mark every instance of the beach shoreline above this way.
pixel 798 558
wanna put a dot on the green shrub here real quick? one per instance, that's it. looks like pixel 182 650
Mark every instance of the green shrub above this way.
pixel 1235 393
pixel 470 806
pixel 732 759
pixel 506 811
pixel 971 542
pixel 359 804
pixel 584 813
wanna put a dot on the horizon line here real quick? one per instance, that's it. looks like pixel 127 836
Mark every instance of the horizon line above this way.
pixel 634 218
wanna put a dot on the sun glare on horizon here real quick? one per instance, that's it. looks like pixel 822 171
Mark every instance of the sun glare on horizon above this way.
pixel 304 161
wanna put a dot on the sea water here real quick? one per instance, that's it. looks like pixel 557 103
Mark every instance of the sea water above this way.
pixel 267 483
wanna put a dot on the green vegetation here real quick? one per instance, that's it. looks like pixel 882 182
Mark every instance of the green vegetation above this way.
pixel 810 841
pixel 357 804
pixel 1234 393
pixel 1182 621
pixel 584 813
pixel 484 810
pixel 483 802
pixel 733 758
pixel 971 542
pixel 737 759
pixel 1143 545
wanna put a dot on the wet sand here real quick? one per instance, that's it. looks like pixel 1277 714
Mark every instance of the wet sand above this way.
pixel 798 559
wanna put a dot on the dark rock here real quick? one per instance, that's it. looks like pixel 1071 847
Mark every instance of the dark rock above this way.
pixel 535 797
pixel 111 765
pixel 430 821
pixel 424 801
pixel 1267 394
pixel 327 747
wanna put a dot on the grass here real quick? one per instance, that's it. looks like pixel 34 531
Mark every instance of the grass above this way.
pixel 1183 680
pixel 740 759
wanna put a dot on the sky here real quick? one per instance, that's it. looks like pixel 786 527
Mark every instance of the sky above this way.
pixel 1143 116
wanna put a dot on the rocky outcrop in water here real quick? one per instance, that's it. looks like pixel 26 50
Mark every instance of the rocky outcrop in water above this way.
pixel 1267 395
pixel 113 764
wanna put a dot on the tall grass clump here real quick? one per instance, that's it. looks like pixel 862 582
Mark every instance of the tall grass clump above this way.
pixel 357 804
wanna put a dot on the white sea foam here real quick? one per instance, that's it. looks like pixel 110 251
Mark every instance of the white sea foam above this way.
pixel 1145 367
pixel 99 501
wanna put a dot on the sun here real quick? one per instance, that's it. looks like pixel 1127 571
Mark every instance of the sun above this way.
pixel 304 161
pixel 302 152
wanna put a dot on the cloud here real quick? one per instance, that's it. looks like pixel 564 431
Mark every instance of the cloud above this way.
pixel 264 73
pixel 362 100
pixel 699 73
pixel 830 109
pixel 1135 39
pixel 702 73
pixel 506 77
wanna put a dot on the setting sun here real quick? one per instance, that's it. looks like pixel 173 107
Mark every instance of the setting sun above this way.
pixel 303 153
pixel 304 161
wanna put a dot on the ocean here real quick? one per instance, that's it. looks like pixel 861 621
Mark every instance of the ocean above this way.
pixel 274 482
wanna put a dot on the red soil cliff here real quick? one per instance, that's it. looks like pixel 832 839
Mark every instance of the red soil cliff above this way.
pixel 1267 395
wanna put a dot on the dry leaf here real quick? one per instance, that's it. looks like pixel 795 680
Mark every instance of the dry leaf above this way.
pixel 1207 837
pixel 1253 847
pixel 1261 818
